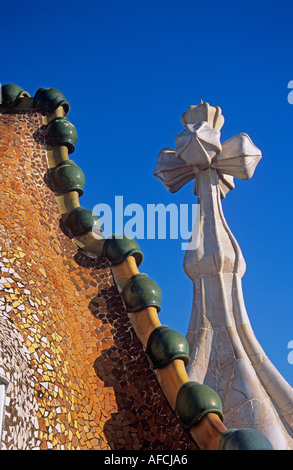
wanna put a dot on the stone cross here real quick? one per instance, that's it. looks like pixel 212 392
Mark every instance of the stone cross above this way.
pixel 224 351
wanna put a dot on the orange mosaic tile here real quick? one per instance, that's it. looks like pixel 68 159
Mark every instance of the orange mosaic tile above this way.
pixel 78 376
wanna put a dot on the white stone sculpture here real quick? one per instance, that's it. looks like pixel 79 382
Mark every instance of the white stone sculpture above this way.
pixel 224 351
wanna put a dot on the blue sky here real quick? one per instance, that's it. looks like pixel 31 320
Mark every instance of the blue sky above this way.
pixel 129 70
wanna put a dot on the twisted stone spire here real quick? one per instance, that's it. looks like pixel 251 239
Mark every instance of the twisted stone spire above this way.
pixel 225 353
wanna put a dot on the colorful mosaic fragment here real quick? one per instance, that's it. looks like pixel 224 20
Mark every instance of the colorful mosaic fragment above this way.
pixel 78 378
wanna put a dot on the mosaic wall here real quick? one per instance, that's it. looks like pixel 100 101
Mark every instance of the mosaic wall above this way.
pixel 77 376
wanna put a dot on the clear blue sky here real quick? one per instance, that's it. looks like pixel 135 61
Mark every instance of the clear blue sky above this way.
pixel 129 69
